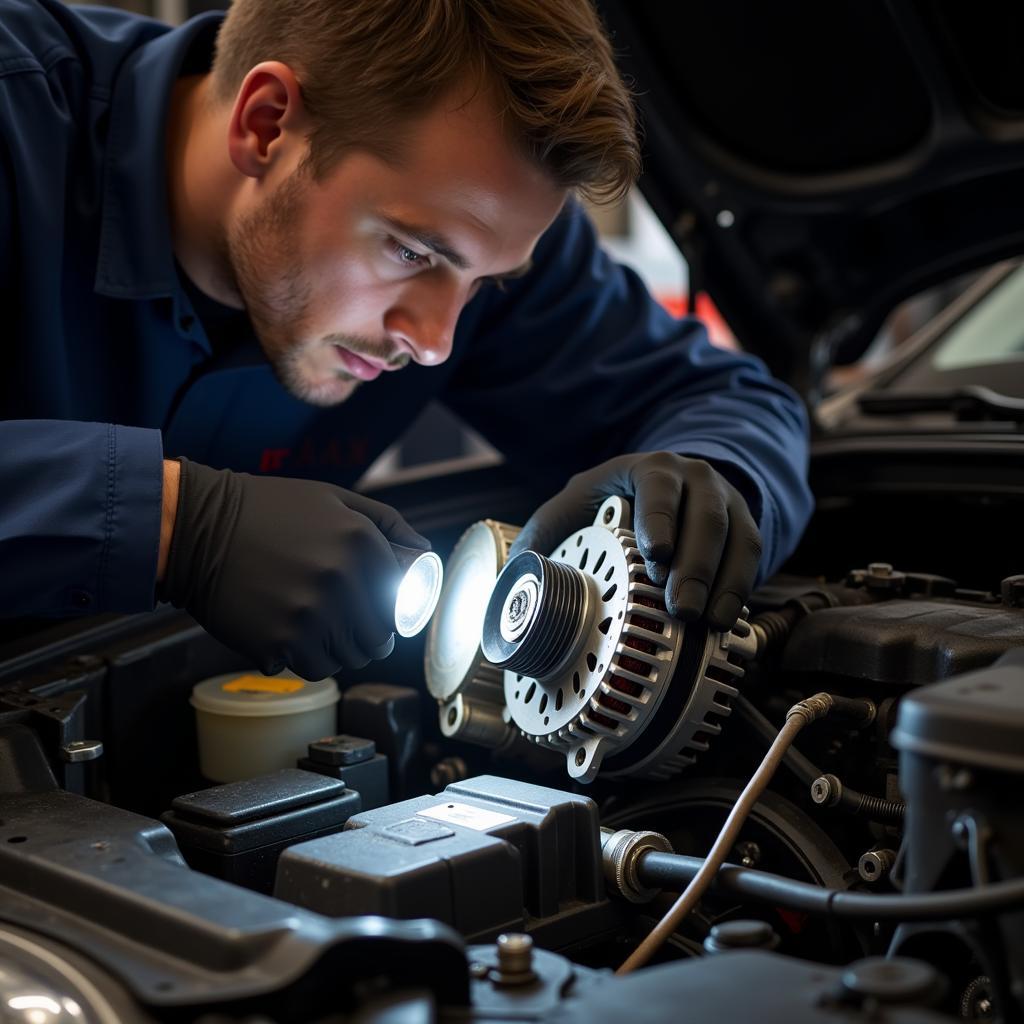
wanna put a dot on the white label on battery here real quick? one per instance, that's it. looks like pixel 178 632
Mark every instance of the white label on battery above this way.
pixel 468 817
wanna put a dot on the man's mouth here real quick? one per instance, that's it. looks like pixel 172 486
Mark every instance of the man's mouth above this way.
pixel 360 367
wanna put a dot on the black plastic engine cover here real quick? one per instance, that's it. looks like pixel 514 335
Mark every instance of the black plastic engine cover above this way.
pixel 754 986
pixel 485 856
pixel 237 830
pixel 903 642
pixel 961 771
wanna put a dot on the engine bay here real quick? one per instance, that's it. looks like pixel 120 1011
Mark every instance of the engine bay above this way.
pixel 501 827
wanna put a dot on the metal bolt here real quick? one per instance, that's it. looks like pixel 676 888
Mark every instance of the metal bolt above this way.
pixel 875 864
pixel 517 609
pixel 826 790
pixel 479 970
pixel 881 577
pixel 749 854
pixel 81 750
pixel 581 756
pixel 515 959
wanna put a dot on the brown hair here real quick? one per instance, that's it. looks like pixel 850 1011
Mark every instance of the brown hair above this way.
pixel 367 67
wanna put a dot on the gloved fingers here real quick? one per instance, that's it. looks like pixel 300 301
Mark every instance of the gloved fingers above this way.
pixel 657 483
pixel 369 637
pixel 372 576
pixel 308 661
pixel 388 520
pixel 272 664
pixel 575 506
pixel 738 568
pixel 704 528
pixel 556 519
pixel 369 608
pixel 379 652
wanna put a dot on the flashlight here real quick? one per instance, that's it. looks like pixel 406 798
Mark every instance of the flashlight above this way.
pixel 418 593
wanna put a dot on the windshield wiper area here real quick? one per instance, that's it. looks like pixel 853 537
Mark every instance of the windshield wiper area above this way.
pixel 967 403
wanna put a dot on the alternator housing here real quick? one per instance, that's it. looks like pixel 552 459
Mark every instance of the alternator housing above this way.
pixel 638 692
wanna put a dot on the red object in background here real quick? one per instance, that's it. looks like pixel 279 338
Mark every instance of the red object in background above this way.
pixel 718 329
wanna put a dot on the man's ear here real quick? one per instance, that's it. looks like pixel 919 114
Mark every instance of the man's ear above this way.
pixel 268 119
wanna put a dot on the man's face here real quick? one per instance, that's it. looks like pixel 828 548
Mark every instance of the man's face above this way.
pixel 359 273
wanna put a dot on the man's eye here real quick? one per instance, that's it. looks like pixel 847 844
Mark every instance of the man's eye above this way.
pixel 405 255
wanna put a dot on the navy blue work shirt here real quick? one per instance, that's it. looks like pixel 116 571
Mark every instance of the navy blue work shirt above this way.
pixel 107 367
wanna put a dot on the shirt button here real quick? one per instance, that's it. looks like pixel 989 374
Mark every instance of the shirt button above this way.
pixel 81 598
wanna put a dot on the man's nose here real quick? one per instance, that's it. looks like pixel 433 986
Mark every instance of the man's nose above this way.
pixel 423 322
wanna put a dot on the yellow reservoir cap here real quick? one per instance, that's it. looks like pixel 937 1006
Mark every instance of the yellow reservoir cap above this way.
pixel 254 696
pixel 262 684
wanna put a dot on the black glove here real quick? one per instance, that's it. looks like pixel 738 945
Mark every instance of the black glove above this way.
pixel 692 527
pixel 289 573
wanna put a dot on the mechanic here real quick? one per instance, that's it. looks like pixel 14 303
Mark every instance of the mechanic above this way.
pixel 240 256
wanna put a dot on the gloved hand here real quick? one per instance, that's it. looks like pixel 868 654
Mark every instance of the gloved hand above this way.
pixel 289 573
pixel 692 527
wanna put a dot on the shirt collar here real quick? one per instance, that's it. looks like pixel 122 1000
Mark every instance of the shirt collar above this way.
pixel 136 256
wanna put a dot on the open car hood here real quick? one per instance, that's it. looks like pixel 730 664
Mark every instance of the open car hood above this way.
pixel 818 163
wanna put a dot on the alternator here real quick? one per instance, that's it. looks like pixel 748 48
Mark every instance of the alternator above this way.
pixel 590 651
pixel 468 688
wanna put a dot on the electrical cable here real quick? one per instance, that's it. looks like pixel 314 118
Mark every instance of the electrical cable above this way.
pixel 801 714
pixel 671 870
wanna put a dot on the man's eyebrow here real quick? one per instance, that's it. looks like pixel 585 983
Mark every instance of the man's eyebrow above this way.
pixel 429 240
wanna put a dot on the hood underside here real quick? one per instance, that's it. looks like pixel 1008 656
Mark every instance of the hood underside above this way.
pixel 817 163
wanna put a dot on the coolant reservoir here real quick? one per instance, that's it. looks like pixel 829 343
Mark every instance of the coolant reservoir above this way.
pixel 249 725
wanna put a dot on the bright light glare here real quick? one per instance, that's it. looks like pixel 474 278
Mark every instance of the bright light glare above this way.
pixel 38 1006
pixel 418 593
pixel 462 614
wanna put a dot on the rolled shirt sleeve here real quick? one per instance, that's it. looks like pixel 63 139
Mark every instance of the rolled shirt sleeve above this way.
pixel 80 507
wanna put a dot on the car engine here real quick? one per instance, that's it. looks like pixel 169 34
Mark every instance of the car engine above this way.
pixel 831 785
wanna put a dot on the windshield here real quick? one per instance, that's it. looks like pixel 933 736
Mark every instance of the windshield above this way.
pixel 991 332
pixel 985 346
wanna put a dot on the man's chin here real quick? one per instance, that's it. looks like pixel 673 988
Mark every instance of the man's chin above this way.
pixel 333 393
pixel 321 393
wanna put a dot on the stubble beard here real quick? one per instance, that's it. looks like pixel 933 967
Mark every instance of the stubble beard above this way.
pixel 267 272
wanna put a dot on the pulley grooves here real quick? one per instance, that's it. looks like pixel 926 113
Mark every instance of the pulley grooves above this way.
pixel 534 616
pixel 556 623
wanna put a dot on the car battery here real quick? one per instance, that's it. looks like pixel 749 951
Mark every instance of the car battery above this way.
pixel 237 830
pixel 485 856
